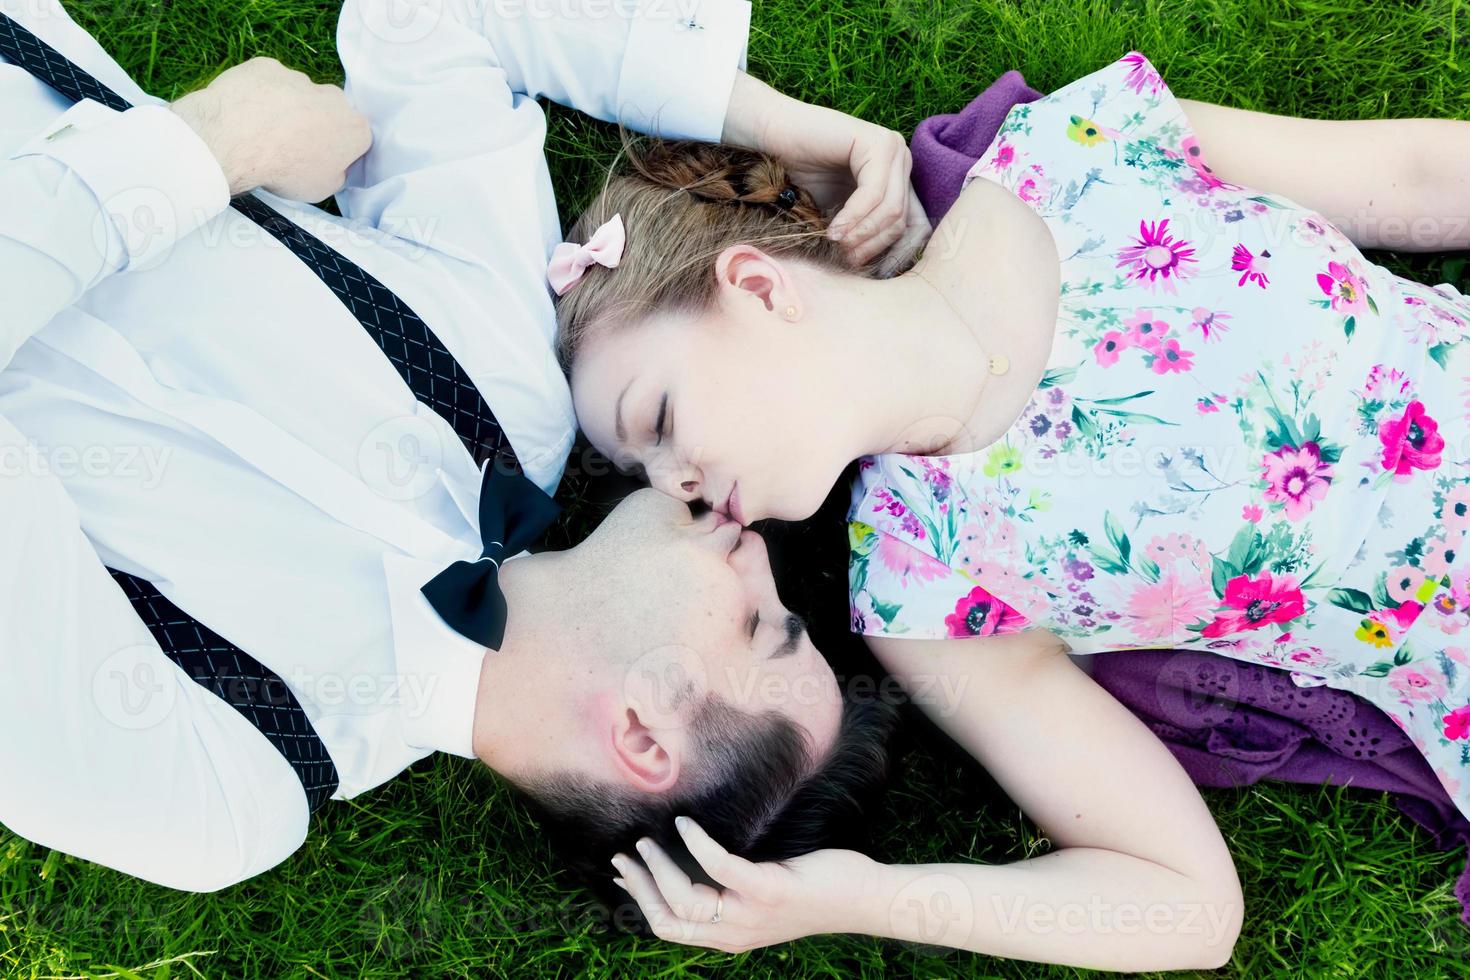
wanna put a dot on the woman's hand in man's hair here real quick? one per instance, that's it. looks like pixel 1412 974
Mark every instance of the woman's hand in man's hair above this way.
pixel 756 904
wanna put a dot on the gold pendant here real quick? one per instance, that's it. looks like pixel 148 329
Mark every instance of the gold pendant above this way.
pixel 999 364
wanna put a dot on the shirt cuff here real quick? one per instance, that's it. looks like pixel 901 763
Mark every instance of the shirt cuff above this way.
pixel 151 174
pixel 680 64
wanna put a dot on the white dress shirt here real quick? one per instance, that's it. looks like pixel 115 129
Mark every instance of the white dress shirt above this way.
pixel 181 399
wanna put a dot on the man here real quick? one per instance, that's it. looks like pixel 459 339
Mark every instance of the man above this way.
pixel 183 401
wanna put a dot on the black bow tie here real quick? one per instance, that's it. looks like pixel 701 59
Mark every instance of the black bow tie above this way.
pixel 466 595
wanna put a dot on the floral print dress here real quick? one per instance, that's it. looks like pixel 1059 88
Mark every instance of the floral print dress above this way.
pixel 1249 439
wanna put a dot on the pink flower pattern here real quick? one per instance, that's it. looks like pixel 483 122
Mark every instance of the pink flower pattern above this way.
pixel 1296 478
pixel 1271 464
pixel 1156 256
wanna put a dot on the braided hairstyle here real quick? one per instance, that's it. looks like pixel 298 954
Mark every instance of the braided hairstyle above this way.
pixel 683 203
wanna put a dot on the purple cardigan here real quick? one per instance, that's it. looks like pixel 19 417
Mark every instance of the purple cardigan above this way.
pixel 1267 727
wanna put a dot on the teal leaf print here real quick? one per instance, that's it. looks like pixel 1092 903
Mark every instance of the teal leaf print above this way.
pixel 1057 376
pixel 1107 560
pixel 1262 199
pixel 1117 536
pixel 1354 600
pixel 1380 592
pixel 1371 305
pixel 1120 399
pixel 1086 428
pixel 1283 431
pixel 1441 354
pixel 1350 326
pixel 1132 416
pixel 1311 575
pixel 1379 669
pixel 1112 557
pixel 1220 573
pixel 1247 551
pixel 886 611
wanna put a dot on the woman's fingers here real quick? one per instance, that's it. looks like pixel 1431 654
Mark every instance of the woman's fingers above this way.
pixel 731 871
pixel 694 903
pixel 875 215
pixel 849 221
pixel 888 219
pixel 639 883
pixel 916 234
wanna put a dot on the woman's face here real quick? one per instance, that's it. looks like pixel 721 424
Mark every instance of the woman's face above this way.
pixel 735 407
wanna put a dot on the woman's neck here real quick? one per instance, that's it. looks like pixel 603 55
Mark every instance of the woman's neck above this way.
pixel 930 364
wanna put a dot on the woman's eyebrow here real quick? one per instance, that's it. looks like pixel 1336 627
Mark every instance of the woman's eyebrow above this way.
pixel 618 427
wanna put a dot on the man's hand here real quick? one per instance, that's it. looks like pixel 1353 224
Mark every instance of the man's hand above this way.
pixel 857 171
pixel 271 127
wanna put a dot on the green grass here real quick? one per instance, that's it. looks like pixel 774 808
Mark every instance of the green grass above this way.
pixel 442 874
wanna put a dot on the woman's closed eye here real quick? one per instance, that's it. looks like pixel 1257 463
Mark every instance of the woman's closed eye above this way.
pixel 661 422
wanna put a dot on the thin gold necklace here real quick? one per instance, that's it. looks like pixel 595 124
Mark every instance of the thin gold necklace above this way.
pixel 999 363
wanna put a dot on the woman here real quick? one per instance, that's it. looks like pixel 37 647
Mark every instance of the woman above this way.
pixel 1125 401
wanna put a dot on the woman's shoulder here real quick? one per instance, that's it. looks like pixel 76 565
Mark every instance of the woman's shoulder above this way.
pixel 1127 80
pixel 1125 100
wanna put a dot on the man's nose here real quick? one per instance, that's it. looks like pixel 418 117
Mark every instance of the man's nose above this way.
pixel 681 481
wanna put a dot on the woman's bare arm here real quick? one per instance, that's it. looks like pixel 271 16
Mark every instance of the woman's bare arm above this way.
pixel 1385 183
pixel 1141 879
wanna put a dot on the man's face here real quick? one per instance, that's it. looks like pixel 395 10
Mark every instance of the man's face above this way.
pixel 684 607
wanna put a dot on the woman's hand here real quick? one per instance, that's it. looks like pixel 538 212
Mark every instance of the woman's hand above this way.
pixel 758 904
pixel 854 168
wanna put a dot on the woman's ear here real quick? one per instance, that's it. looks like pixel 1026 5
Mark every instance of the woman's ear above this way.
pixel 744 271
pixel 647 759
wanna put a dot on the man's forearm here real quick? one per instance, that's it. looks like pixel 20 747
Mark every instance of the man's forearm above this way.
pixel 753 105
pixel 96 192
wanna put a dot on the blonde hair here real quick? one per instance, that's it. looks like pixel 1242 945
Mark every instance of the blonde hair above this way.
pixel 683 203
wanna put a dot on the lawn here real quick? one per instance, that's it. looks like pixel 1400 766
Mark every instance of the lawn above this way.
pixel 442 873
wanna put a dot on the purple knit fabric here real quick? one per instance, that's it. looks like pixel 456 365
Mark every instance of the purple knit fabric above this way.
pixel 946 147
pixel 1228 723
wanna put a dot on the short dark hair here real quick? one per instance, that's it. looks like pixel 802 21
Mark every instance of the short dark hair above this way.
pixel 757 789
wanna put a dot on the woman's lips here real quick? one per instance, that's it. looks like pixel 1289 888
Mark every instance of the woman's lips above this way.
pixel 732 505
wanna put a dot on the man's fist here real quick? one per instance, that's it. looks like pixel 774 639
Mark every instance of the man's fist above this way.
pixel 272 127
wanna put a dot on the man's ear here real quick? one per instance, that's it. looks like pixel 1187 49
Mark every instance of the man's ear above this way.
pixel 647 759
pixel 745 271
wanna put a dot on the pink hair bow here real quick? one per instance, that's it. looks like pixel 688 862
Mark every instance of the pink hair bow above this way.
pixel 570 260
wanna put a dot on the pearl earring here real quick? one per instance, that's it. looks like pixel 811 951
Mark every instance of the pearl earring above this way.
pixel 791 313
